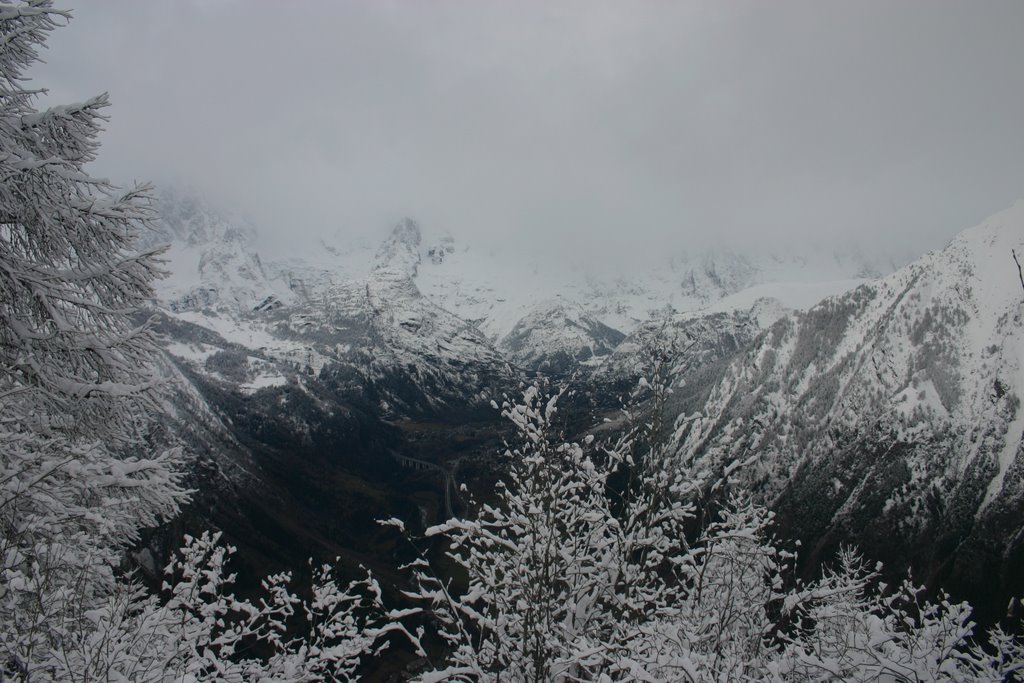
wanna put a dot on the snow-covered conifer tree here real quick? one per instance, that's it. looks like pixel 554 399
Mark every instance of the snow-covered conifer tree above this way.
pixel 78 479
pixel 76 384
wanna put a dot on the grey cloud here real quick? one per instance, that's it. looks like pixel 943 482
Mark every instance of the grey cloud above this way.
pixel 646 124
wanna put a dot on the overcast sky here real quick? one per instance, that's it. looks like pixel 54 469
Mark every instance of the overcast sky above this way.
pixel 895 123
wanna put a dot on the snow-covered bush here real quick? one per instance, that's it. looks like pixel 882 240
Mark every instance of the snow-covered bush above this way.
pixel 561 586
pixel 537 563
pixel 848 626
pixel 199 631
pixel 579 573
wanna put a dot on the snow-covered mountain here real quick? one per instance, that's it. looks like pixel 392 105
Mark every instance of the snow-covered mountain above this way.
pixel 890 412
pixel 211 262
pixel 557 336
pixel 890 409
pixel 539 315
pixel 373 338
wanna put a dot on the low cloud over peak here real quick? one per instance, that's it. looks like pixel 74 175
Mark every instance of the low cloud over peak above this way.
pixel 625 126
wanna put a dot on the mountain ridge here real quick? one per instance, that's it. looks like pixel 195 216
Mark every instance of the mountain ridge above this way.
pixel 537 315
pixel 891 411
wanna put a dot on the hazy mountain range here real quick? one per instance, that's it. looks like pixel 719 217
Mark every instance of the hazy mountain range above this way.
pixel 865 403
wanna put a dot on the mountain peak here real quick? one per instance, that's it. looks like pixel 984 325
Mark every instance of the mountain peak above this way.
pixel 983 258
pixel 408 231
pixel 925 366
pixel 213 261
pixel 400 251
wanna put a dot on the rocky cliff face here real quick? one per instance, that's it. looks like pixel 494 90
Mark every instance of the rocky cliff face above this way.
pixel 211 261
pixel 890 415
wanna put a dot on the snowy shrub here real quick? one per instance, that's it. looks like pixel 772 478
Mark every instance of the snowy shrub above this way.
pixel 579 574
pixel 199 631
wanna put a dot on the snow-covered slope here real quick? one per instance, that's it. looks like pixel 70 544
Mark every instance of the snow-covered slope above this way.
pixel 689 342
pixel 385 327
pixel 524 307
pixel 539 314
pixel 373 338
pixel 558 336
pixel 893 410
pixel 545 314
pixel 210 260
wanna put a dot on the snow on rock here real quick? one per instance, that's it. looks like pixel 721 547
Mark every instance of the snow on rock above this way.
pixel 210 258
pixel 498 294
pixel 557 336
pixel 421 297
pixel 364 331
pixel 538 311
pixel 906 390
pixel 400 252
pixel 541 314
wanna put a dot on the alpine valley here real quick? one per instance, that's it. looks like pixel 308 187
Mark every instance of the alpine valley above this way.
pixel 867 402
